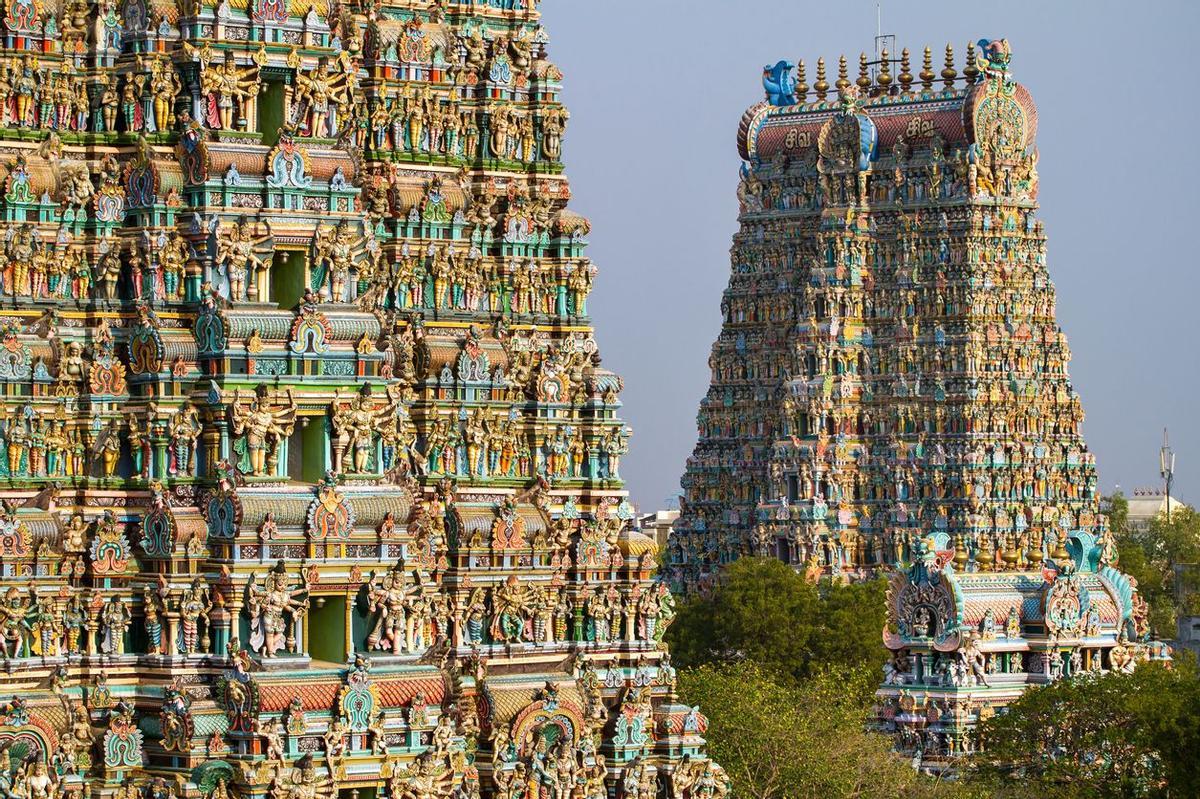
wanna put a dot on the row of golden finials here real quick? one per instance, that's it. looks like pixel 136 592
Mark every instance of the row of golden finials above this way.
pixel 883 82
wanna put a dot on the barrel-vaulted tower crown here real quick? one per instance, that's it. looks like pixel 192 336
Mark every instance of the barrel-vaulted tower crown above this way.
pixel 971 111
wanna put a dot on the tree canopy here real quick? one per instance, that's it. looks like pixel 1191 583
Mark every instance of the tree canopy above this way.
pixel 764 612
pixel 778 739
pixel 1118 735
pixel 1165 552
pixel 786 671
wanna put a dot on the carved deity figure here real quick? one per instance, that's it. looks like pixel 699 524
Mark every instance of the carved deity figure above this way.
pixel 164 87
pixel 195 605
pixel 46 623
pixel 393 600
pixel 33 780
pixel 114 622
pixel 173 254
pixel 300 781
pixel 184 428
pixel 72 179
pixel 241 256
pixel 553 125
pixel 356 424
pixel 263 427
pixel 337 252
pixel 231 94
pixel 319 97
pixel 511 606
pixel 154 609
pixel 275 607
pixel 14 624
pixel 108 448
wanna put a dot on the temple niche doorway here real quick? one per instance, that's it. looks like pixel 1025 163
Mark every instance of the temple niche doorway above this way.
pixel 327 628
pixel 289 276
pixel 307 450
pixel 271 104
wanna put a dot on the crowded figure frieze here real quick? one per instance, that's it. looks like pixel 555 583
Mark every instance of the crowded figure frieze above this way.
pixel 890 393
pixel 310 467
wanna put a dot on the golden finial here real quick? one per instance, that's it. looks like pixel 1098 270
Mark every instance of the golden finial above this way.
pixel 864 80
pixel 801 81
pixel 1035 548
pixel 884 79
pixel 985 559
pixel 1059 554
pixel 905 77
pixel 961 556
pixel 927 75
pixel 843 78
pixel 821 86
pixel 970 71
pixel 949 73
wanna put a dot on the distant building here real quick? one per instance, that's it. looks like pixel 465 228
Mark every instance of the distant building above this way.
pixel 658 525
pixel 1147 503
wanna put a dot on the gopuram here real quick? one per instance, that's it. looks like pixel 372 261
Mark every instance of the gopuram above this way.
pixel 890 389
pixel 310 470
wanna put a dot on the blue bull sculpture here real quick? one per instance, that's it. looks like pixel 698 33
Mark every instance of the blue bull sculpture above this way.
pixel 780 84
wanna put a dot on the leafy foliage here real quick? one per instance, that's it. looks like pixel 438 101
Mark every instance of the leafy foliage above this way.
pixel 1117 735
pixel 763 611
pixel 1152 556
pixel 786 671
pixel 777 739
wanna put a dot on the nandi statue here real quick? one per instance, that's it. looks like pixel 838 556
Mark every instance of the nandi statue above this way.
pixel 780 83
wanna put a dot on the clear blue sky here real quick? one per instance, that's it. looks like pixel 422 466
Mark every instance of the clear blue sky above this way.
pixel 656 89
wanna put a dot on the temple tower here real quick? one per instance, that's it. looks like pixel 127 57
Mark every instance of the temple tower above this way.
pixel 890 388
pixel 310 468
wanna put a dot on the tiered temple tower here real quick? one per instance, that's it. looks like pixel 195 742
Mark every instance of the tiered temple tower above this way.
pixel 310 469
pixel 890 388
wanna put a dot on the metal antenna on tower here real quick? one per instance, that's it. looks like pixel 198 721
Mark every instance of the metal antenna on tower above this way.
pixel 1166 468
pixel 883 42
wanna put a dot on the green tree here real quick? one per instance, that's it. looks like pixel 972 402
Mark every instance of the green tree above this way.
pixel 851 620
pixel 1117 735
pixel 777 739
pixel 1117 509
pixel 1153 586
pixel 764 611
pixel 1154 555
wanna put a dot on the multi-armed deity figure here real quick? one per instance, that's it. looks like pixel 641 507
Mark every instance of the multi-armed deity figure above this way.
pixel 397 606
pixel 337 252
pixel 275 608
pixel 321 96
pixel 242 256
pixel 357 423
pixel 230 94
pixel 263 426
